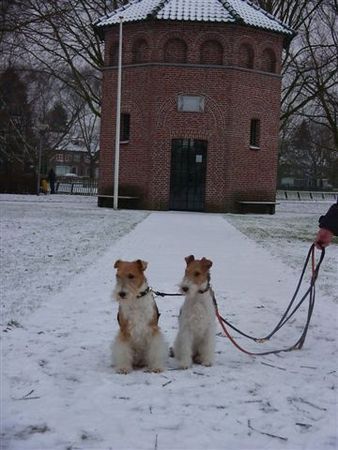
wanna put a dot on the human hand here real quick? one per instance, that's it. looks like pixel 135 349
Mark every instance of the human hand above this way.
pixel 323 238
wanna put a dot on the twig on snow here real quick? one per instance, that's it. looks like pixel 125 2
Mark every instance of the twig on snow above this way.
pixel 29 393
pixel 304 425
pixel 156 442
pixel 266 434
pixel 271 365
pixel 27 396
pixel 166 384
pixel 311 404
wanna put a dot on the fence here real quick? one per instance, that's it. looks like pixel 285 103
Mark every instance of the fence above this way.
pixel 306 195
pixel 76 187
pixel 89 187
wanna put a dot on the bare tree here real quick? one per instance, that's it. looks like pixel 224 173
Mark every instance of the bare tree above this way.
pixel 309 65
pixel 88 125
pixel 307 154
pixel 56 36
pixel 21 113
pixel 322 40
pixel 293 13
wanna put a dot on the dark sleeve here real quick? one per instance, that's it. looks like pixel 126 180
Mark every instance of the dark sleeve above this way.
pixel 330 220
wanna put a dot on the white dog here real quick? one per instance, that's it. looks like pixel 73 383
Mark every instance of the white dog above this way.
pixel 139 342
pixel 195 341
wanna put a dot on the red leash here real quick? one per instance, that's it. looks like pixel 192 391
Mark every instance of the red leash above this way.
pixel 310 292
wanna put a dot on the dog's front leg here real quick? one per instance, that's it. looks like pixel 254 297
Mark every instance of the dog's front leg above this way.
pixel 206 349
pixel 122 355
pixel 157 353
pixel 183 349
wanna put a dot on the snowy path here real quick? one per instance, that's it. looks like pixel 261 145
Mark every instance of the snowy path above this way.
pixel 61 393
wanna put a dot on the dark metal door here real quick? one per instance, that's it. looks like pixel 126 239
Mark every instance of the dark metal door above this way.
pixel 188 173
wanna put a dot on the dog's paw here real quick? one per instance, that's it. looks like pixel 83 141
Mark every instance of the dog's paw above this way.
pixel 123 371
pixel 185 366
pixel 154 370
pixel 206 363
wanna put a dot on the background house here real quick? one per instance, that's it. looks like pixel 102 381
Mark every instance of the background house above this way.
pixel 200 103
pixel 73 158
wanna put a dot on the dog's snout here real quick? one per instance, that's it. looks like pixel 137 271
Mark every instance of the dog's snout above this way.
pixel 122 294
pixel 185 289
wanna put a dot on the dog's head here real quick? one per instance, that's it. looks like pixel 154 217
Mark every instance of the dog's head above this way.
pixel 197 276
pixel 130 279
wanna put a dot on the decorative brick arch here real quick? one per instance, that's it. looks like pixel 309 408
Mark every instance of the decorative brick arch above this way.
pixel 246 55
pixel 175 50
pixel 268 60
pixel 140 51
pixel 166 108
pixel 211 52
pixel 220 41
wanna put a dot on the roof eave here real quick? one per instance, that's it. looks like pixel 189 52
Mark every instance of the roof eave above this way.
pixel 100 30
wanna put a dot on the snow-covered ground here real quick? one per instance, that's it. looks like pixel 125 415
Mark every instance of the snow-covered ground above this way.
pixel 59 390
pixel 47 240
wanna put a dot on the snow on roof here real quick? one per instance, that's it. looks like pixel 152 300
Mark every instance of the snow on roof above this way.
pixel 226 11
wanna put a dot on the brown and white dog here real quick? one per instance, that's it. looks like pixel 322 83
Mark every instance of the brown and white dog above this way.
pixel 195 341
pixel 139 342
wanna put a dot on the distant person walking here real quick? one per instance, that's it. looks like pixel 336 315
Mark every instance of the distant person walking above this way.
pixel 328 227
pixel 51 179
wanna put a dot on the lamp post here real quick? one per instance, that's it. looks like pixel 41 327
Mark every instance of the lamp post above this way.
pixel 42 128
pixel 118 121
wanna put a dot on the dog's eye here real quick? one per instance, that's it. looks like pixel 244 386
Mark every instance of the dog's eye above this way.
pixel 131 276
pixel 197 274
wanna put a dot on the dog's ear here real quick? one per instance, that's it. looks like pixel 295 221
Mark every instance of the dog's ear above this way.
pixel 189 259
pixel 117 263
pixel 142 264
pixel 206 262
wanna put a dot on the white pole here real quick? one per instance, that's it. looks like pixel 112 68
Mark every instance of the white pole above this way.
pixel 118 121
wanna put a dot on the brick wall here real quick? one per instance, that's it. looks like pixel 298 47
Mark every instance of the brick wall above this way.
pixel 233 96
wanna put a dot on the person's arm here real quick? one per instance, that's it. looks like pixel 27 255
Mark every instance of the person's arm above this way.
pixel 330 220
pixel 328 225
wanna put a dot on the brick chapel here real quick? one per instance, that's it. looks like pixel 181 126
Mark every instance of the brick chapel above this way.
pixel 201 90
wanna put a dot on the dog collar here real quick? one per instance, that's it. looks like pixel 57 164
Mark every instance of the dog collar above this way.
pixel 143 293
pixel 203 291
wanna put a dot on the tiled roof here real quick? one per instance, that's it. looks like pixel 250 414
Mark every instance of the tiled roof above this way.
pixel 227 11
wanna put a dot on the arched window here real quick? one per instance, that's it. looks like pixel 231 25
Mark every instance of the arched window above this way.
pixel 246 56
pixel 140 51
pixel 175 51
pixel 212 53
pixel 268 63
pixel 113 57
